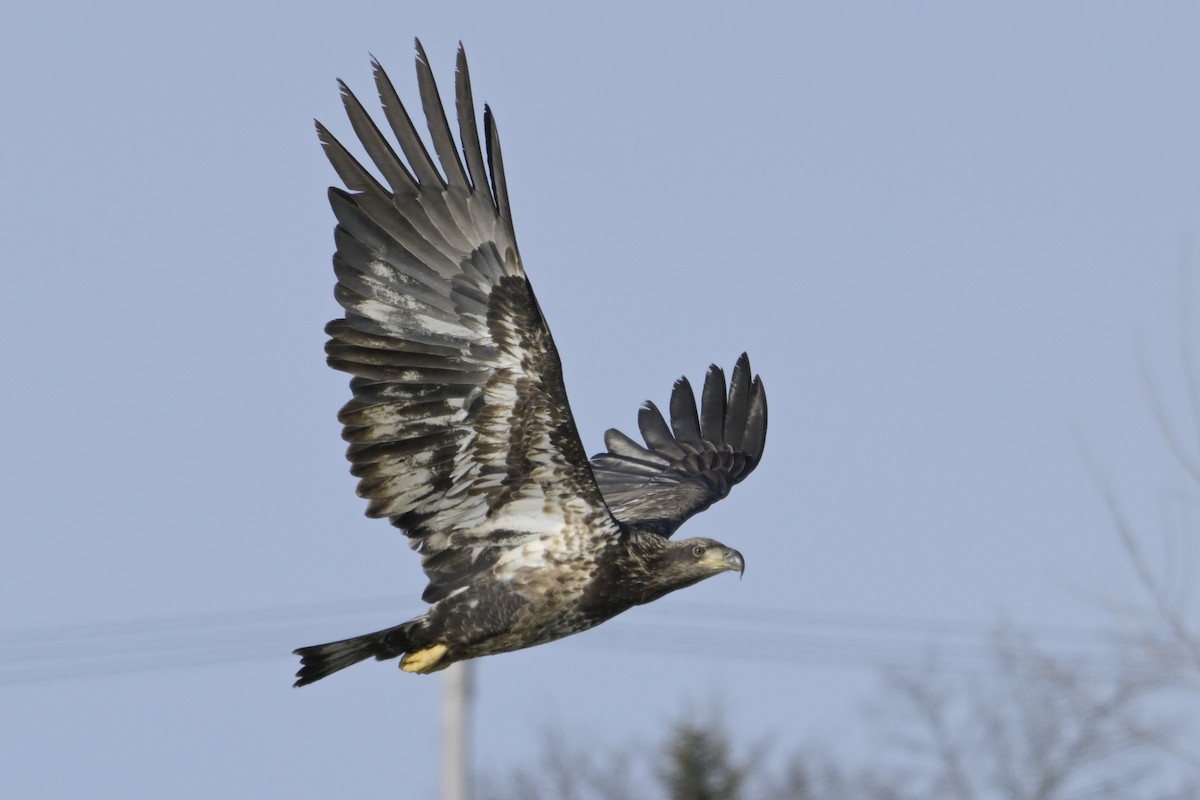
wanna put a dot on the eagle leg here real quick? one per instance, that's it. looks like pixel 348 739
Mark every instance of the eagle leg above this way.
pixel 426 660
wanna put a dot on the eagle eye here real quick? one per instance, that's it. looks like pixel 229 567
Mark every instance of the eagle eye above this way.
pixel 699 550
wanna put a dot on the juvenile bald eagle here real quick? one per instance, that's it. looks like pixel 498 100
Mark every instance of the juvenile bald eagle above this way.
pixel 459 427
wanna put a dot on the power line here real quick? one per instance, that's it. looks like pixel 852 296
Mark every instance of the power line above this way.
pixel 880 622
pixel 780 635
pixel 306 614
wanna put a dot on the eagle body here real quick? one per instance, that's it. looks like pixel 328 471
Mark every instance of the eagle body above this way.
pixel 459 428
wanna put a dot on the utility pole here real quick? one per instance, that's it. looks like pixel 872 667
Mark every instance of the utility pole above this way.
pixel 456 731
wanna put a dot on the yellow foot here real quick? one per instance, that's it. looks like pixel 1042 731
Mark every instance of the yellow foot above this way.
pixel 424 661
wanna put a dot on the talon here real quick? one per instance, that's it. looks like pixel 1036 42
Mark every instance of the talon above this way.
pixel 424 661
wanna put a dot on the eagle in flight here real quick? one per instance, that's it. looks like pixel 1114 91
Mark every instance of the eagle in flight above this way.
pixel 459 428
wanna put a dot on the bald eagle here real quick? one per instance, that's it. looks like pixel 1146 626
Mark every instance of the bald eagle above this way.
pixel 459 428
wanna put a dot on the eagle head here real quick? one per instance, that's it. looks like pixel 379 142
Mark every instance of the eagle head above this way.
pixel 708 557
pixel 652 566
pixel 690 560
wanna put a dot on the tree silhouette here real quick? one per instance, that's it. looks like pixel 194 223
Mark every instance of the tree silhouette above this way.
pixel 699 764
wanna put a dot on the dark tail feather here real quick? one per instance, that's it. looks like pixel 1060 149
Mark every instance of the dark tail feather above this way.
pixel 320 660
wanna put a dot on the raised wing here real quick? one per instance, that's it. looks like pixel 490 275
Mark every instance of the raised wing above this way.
pixel 685 468
pixel 459 428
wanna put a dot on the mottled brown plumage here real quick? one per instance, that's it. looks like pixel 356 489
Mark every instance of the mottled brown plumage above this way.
pixel 459 427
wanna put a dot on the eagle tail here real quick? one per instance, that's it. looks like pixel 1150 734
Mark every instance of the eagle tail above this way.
pixel 320 660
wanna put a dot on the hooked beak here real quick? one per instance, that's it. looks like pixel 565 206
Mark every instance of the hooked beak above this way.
pixel 734 560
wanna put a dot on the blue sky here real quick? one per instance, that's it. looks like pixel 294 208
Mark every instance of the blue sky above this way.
pixel 942 231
